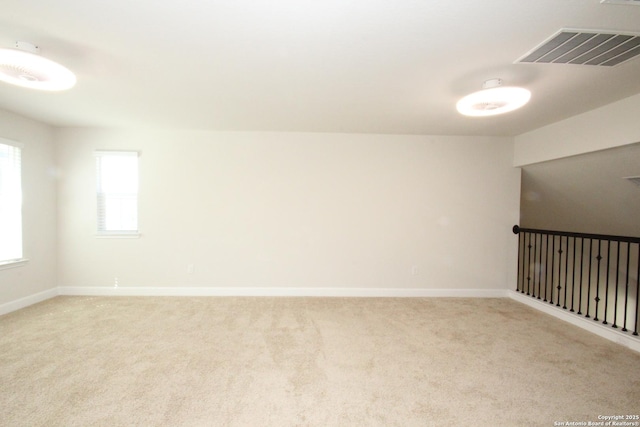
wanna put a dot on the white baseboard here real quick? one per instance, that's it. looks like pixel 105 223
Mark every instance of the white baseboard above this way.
pixel 625 339
pixel 279 292
pixel 27 301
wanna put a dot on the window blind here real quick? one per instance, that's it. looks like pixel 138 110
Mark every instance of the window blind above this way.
pixel 117 192
pixel 10 201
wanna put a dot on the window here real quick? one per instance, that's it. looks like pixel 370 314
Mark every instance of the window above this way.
pixel 117 191
pixel 10 202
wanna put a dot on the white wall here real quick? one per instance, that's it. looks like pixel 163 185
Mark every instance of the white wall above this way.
pixel 610 126
pixel 39 211
pixel 295 210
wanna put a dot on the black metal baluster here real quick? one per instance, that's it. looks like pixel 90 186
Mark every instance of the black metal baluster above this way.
pixel 529 266
pixel 553 267
pixel 637 293
pixel 626 289
pixel 606 292
pixel 573 276
pixel 615 304
pixel 525 259
pixel 546 269
pixel 566 273
pixel 539 266
pixel 535 255
pixel 520 254
pixel 525 262
pixel 539 252
pixel 581 275
pixel 589 278
pixel 599 258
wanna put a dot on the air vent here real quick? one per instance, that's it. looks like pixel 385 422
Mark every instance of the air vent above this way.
pixel 569 46
pixel 634 179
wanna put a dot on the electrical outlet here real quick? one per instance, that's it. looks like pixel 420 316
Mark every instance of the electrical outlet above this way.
pixel 190 268
pixel 115 282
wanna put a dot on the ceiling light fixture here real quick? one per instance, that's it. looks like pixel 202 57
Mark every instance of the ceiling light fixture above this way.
pixel 493 99
pixel 23 67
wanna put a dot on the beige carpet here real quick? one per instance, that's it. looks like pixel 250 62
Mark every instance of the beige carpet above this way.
pixel 169 361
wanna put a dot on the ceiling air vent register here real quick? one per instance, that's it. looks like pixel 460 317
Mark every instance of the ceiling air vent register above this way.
pixel 585 47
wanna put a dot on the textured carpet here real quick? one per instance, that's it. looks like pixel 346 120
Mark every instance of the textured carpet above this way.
pixel 171 361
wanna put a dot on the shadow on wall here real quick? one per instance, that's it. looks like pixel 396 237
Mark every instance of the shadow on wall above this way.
pixel 586 193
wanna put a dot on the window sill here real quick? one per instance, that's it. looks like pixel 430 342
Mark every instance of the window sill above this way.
pixel 13 263
pixel 118 236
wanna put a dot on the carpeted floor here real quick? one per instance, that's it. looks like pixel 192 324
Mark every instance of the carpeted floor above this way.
pixel 179 361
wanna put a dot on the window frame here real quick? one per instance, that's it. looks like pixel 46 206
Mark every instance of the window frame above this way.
pixel 100 196
pixel 20 260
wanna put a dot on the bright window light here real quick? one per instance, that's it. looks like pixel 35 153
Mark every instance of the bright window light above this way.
pixel 117 192
pixel 10 202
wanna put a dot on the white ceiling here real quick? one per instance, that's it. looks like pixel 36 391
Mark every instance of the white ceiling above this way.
pixel 371 66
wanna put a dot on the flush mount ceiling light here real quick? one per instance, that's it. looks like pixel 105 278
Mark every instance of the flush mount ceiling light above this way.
pixel 493 99
pixel 23 67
